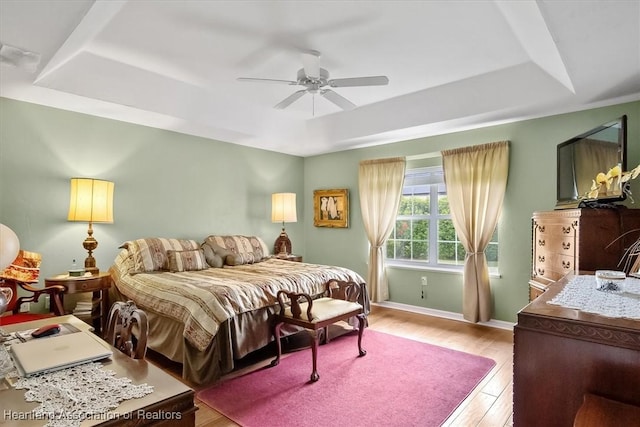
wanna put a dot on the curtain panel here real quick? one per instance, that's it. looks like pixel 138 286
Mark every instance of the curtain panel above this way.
pixel 476 180
pixel 380 184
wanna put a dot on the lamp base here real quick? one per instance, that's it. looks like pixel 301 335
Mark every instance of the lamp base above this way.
pixel 93 270
pixel 90 244
pixel 282 246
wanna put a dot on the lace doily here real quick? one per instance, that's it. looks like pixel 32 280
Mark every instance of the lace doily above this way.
pixel 69 396
pixel 581 293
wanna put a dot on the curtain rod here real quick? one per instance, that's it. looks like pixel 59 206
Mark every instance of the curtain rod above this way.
pixel 424 156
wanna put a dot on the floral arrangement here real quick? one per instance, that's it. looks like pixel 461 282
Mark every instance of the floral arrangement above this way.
pixel 613 177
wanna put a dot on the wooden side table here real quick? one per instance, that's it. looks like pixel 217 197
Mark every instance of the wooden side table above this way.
pixel 98 284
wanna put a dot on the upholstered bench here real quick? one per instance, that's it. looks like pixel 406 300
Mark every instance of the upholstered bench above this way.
pixel 315 315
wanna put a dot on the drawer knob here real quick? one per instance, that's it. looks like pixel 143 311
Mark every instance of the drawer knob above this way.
pixel 540 271
pixel 566 265
pixel 566 245
pixel 541 258
pixel 541 242
pixel 566 230
pixel 541 228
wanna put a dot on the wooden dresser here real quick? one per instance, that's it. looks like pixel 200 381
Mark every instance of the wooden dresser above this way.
pixel 570 240
pixel 561 354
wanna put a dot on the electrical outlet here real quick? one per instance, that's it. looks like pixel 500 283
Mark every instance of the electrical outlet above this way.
pixel 24 307
pixel 423 287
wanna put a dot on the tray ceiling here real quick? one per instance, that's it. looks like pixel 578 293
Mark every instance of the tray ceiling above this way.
pixel 451 65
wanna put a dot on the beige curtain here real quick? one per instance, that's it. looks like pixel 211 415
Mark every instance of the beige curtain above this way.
pixel 380 182
pixel 476 179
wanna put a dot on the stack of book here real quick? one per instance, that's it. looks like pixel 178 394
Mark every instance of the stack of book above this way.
pixel 83 308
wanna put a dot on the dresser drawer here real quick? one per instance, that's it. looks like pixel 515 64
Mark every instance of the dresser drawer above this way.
pixel 551 265
pixel 564 245
pixel 536 289
pixel 553 228
pixel 549 273
pixel 550 259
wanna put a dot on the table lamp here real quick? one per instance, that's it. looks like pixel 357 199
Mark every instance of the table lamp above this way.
pixel 91 200
pixel 283 209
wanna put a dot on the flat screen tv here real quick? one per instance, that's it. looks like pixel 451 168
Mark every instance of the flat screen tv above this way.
pixel 582 157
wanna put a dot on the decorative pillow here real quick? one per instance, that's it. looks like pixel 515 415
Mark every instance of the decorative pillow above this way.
pixel 244 249
pixel 150 254
pixel 246 258
pixel 214 257
pixel 263 246
pixel 191 260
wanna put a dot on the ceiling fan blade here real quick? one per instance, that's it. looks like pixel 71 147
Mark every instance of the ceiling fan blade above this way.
pixel 251 79
pixel 311 64
pixel 290 99
pixel 359 81
pixel 339 100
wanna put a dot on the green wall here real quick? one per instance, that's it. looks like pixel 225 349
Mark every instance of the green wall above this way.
pixel 174 185
pixel 531 187
pixel 167 184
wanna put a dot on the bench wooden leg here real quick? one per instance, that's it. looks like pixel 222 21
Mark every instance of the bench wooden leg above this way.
pixel 314 354
pixel 276 333
pixel 361 323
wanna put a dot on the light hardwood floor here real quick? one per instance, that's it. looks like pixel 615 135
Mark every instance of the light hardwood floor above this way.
pixel 489 405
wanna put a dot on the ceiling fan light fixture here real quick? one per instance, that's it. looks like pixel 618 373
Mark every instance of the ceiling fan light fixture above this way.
pixel 321 79
pixel 315 80
pixel 311 64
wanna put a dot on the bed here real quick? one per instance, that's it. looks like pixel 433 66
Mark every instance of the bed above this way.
pixel 211 304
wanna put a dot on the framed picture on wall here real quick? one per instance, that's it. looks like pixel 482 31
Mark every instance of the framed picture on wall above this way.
pixel 331 208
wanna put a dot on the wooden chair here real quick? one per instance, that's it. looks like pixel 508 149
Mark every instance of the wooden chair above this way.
pixel 22 274
pixel 120 334
pixel 316 315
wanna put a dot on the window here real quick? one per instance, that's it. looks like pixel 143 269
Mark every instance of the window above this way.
pixel 424 233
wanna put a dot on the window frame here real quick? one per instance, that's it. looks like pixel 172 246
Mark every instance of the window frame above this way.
pixel 433 217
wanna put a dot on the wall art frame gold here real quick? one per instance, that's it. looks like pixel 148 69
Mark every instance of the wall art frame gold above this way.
pixel 331 208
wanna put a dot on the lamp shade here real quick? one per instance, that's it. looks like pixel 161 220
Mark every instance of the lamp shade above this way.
pixel 91 200
pixel 9 246
pixel 283 207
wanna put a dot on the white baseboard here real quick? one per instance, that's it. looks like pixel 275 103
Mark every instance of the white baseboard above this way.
pixel 500 324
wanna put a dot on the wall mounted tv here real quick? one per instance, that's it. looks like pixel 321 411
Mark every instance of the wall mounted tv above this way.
pixel 582 157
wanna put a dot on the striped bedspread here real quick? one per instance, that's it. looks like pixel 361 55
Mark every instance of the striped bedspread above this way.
pixel 203 300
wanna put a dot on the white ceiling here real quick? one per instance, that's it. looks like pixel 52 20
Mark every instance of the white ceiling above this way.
pixel 452 65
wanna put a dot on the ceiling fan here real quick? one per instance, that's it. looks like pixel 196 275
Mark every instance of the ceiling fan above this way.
pixel 316 81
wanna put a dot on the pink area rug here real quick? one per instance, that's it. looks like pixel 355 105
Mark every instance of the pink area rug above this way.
pixel 400 382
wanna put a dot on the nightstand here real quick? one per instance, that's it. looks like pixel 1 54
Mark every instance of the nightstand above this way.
pixel 291 257
pixel 98 284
